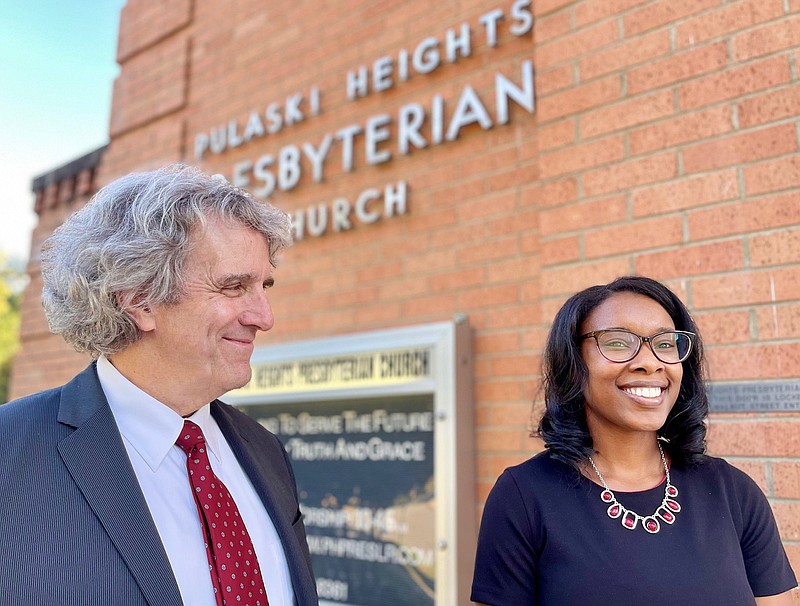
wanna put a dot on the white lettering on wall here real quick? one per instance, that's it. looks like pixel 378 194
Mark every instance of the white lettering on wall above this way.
pixel 293 110
pixel 342 215
pixel 377 139
pixel 426 56
pixel 417 127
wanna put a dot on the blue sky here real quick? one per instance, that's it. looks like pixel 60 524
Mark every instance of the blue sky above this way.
pixel 57 68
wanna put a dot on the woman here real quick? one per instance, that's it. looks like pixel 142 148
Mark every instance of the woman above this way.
pixel 623 506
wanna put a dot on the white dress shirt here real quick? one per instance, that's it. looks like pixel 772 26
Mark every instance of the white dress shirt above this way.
pixel 149 430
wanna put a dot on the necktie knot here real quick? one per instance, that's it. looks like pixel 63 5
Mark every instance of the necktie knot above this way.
pixel 191 436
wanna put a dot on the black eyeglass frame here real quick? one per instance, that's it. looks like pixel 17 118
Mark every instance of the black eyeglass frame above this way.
pixel 649 340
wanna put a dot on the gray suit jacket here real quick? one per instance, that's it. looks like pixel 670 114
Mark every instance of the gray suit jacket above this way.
pixel 74 525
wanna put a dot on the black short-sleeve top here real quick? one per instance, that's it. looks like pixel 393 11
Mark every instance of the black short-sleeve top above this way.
pixel 546 539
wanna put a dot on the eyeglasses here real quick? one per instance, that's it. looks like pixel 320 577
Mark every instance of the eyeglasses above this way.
pixel 670 346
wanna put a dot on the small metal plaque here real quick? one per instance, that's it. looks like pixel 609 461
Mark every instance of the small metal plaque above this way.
pixel 761 396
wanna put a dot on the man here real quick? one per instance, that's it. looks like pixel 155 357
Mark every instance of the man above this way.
pixel 132 484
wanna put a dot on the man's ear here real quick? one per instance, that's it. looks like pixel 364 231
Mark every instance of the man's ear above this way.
pixel 138 310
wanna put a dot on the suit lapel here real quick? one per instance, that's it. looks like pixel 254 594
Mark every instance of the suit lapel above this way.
pixel 276 494
pixel 95 456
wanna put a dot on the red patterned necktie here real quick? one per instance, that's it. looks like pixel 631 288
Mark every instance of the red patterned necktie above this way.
pixel 232 560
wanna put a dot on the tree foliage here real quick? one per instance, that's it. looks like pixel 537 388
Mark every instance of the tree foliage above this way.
pixel 12 281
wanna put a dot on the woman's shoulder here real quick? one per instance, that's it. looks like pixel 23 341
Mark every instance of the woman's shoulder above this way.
pixel 717 466
pixel 716 471
pixel 541 462
pixel 536 484
pixel 541 468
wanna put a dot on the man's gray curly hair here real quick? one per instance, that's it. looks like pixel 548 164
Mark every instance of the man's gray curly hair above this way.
pixel 127 247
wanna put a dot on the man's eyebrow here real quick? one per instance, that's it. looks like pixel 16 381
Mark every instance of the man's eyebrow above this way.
pixel 236 278
pixel 244 278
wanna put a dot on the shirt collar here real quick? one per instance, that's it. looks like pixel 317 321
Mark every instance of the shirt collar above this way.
pixel 211 430
pixel 148 425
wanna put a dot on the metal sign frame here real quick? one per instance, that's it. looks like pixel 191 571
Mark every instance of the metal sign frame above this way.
pixel 449 380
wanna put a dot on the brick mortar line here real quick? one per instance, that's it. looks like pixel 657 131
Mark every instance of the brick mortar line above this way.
pixel 742 271
pixel 628 130
pixel 733 64
pixel 753 94
pixel 680 178
pixel 689 210
pixel 159 39
pixel 620 16
pixel 675 51
pixel 762 460
pixel 794 418
pixel 736 131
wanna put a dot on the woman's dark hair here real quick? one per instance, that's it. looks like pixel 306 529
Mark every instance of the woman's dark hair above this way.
pixel 563 425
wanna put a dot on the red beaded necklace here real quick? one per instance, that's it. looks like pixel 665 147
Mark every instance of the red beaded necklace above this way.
pixel 666 511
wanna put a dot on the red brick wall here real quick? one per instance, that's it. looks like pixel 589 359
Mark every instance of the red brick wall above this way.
pixel 674 153
pixel 664 142
pixel 44 360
